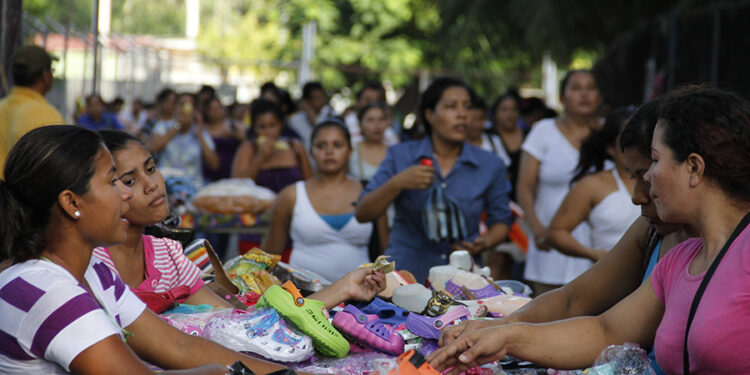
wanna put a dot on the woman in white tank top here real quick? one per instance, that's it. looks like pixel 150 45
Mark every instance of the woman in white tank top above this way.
pixel 318 213
pixel 602 199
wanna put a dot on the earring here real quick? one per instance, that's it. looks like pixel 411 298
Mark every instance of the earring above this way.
pixel 77 213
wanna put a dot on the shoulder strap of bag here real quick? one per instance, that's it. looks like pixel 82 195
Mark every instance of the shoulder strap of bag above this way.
pixel 702 288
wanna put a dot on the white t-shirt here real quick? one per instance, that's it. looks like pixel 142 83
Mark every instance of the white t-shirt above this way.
pixel 48 317
pixel 558 160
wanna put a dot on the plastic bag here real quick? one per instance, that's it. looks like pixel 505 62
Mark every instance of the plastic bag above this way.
pixel 235 195
pixel 307 281
pixel 194 322
pixel 628 359
pixel 443 220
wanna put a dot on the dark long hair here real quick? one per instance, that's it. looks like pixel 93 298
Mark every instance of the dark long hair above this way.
pixel 715 124
pixel 42 164
pixel 117 140
pixel 594 147
pixel 331 122
pixel 639 130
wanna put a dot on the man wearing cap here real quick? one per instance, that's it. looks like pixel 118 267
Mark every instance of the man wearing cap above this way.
pixel 25 108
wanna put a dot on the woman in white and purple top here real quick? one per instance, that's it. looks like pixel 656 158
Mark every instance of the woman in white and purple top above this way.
pixel 63 311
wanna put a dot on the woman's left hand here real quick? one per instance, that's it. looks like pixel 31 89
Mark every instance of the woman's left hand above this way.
pixel 473 247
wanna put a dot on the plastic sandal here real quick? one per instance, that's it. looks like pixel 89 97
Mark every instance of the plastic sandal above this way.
pixel 438 303
pixel 368 329
pixel 310 317
pixel 513 287
pixel 430 328
pixel 455 290
pixel 261 332
pixel 388 313
pixel 486 292
pixel 477 309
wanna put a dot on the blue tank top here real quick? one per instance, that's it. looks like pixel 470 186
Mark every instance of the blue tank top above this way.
pixel 652 261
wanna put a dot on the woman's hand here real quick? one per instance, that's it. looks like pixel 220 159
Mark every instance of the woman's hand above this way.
pixel 363 284
pixel 473 247
pixel 266 150
pixel 452 332
pixel 540 238
pixel 415 178
pixel 470 350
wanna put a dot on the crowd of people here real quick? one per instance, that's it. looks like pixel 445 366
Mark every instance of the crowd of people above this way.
pixel 604 199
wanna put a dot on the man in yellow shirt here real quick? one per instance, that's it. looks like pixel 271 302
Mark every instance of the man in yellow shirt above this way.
pixel 25 108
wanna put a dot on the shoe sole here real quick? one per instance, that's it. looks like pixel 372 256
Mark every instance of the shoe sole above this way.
pixel 329 343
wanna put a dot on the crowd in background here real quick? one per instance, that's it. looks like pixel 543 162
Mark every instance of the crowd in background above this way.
pixel 198 138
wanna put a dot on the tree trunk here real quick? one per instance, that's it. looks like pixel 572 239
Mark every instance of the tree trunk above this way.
pixel 10 40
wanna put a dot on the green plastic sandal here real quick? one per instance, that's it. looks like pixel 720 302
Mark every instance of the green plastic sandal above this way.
pixel 309 315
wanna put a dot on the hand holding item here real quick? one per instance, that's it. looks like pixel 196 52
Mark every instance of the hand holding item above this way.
pixel 266 148
pixel 362 284
pixel 416 177
pixel 471 349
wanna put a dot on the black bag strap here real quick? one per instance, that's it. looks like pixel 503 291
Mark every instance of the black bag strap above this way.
pixel 702 288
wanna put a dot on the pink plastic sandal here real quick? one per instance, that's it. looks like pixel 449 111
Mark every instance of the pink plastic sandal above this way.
pixel 368 329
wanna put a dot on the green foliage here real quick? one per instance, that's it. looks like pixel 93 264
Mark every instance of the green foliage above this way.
pixel 163 17
pixel 492 44
pixel 77 12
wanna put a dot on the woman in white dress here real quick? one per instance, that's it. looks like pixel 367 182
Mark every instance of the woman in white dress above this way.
pixel 550 154
pixel 600 196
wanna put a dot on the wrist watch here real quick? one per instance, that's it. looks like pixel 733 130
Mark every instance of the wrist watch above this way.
pixel 176 126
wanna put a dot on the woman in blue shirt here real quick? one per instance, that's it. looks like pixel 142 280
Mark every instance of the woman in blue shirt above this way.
pixel 474 178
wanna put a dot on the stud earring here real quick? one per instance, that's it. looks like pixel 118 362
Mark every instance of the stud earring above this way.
pixel 77 213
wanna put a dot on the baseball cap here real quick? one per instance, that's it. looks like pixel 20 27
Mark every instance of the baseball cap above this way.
pixel 32 59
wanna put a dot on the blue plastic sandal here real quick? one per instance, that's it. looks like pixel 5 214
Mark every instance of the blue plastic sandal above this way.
pixel 387 312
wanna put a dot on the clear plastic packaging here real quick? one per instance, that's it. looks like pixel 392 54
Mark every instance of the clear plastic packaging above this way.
pixel 193 322
pixel 359 363
pixel 628 359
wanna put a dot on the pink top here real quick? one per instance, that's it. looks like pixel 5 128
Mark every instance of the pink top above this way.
pixel 166 266
pixel 720 333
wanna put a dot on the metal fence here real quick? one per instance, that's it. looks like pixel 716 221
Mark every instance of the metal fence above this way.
pixel 128 66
